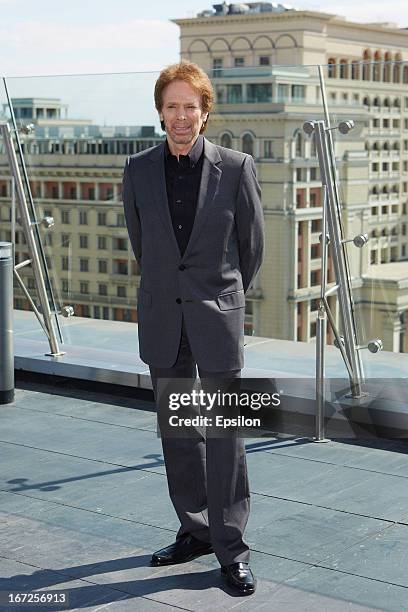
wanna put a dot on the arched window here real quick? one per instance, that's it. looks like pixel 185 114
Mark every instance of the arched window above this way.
pixel 377 66
pixel 387 103
pixel 313 152
pixel 248 144
pixel 331 68
pixel 387 67
pixel 385 189
pixel 366 65
pixel 397 103
pixel 395 189
pixel 298 144
pixel 377 101
pixel 366 101
pixel 396 72
pixel 355 70
pixel 376 146
pixel 386 146
pixel 343 69
pixel 226 141
pixel 375 190
pixel 396 146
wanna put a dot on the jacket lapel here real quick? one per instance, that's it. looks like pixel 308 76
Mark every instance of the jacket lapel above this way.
pixel 210 178
pixel 157 177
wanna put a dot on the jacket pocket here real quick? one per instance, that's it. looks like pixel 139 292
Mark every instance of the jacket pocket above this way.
pixel 144 298
pixel 229 301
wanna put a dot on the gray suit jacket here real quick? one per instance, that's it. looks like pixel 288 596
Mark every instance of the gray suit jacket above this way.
pixel 208 283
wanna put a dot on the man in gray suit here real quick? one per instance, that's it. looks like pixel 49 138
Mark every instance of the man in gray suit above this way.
pixel 195 222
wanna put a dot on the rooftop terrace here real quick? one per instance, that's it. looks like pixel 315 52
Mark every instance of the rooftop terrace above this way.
pixel 84 503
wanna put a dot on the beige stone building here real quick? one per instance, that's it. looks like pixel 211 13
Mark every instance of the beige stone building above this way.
pixel 263 61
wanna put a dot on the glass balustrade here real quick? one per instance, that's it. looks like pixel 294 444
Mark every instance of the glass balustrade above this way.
pixel 84 127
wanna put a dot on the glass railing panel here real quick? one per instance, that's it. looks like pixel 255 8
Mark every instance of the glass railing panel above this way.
pixel 372 173
pixel 86 126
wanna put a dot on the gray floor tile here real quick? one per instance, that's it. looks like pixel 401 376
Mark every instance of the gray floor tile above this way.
pixel 383 556
pixel 302 532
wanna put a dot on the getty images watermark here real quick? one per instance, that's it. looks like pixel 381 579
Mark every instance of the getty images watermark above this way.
pixel 223 401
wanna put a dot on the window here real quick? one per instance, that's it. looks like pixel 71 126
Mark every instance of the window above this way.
pixel 234 94
pixel 331 68
pixel 84 265
pixel 226 141
pixel 86 311
pixel 83 241
pixel 298 145
pixel 298 174
pixel 64 263
pixel 217 66
pixel 283 91
pixel 121 266
pixel 313 329
pixel 65 240
pixel 102 243
pixel 121 291
pixel 268 150
pixel 65 286
pixel 313 174
pixel 48 240
pixel 101 218
pixel 315 277
pixel 298 93
pixel 120 220
pixel 65 217
pixel 102 289
pixel 315 251
pixel 84 287
pixel 264 60
pixel 83 217
pixel 120 244
pixel 239 62
pixel 316 225
pixel 102 266
pixel 248 144
pixel 259 92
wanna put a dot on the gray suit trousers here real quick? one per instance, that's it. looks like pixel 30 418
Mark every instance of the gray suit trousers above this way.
pixel 207 476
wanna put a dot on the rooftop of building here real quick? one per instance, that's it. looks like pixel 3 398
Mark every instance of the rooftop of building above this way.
pixel 262 10
pixel 84 503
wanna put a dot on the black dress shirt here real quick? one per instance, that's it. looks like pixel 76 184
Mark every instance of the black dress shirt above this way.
pixel 183 179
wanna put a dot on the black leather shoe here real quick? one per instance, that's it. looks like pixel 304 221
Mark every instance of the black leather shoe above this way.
pixel 240 577
pixel 183 550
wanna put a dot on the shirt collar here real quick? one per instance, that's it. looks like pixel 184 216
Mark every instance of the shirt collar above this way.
pixel 193 155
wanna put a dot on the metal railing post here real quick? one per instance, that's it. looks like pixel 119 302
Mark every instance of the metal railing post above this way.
pixel 6 324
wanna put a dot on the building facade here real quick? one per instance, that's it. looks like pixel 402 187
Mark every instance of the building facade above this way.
pixel 264 60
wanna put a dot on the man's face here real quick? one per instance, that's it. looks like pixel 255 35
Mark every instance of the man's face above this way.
pixel 181 113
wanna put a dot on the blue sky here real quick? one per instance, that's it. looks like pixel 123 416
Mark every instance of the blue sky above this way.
pixel 47 37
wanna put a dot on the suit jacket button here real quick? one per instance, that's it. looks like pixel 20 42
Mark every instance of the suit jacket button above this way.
pixel 179 300
pixel 182 267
